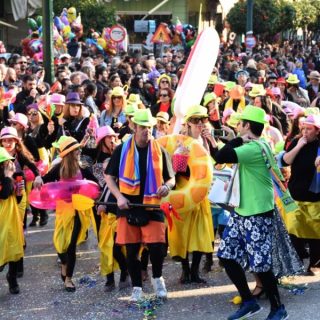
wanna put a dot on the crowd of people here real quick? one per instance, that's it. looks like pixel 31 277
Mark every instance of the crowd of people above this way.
pixel 101 120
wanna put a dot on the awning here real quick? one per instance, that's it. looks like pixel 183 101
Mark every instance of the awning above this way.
pixel 22 9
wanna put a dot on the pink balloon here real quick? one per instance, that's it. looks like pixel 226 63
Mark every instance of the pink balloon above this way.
pixel 42 167
pixel 51 192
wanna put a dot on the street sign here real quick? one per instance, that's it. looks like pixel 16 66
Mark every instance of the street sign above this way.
pixel 117 33
pixel 250 41
pixel 161 35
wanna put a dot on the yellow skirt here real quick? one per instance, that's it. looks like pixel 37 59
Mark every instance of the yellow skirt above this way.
pixel 193 233
pixel 64 225
pixel 11 231
pixel 305 221
pixel 107 231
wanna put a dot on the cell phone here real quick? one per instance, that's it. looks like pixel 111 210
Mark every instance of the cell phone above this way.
pixel 218 133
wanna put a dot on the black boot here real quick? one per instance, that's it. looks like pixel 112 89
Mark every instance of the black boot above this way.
pixel 110 284
pixel 185 276
pixel 43 218
pixel 208 262
pixel 196 258
pixel 13 284
pixel 20 268
pixel 34 221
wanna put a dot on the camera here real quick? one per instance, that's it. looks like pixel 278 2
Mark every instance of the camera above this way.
pixel 218 133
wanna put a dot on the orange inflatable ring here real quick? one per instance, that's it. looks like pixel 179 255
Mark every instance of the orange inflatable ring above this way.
pixel 185 197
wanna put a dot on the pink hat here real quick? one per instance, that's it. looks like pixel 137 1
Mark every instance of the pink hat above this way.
pixel 313 120
pixel 276 91
pixel 248 85
pixel 103 132
pixel 21 119
pixel 227 113
pixel 57 98
pixel 9 132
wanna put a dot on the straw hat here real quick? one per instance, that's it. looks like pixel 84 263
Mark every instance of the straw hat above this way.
pixel 196 111
pixel 134 99
pixel 257 90
pixel 314 75
pixel 210 96
pixel 103 132
pixel 229 85
pixel 293 79
pixel 143 117
pixel 9 132
pixel 164 76
pixel 237 92
pixel 68 145
pixel 4 155
pixel 254 114
pixel 313 120
pixel 117 91
pixel 163 116
pixel 73 98
pixel 130 109
pixel 56 144
pixel 21 119
pixel 57 99
pixel 213 79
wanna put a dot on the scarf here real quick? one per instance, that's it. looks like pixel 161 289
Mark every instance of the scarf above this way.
pixel 129 174
pixel 241 105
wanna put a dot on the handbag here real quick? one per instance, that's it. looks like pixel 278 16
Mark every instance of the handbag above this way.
pixel 283 193
pixel 225 188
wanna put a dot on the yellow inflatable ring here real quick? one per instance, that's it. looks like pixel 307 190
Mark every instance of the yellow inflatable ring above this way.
pixel 185 197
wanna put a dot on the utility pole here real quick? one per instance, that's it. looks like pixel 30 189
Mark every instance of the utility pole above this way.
pixel 47 34
pixel 249 28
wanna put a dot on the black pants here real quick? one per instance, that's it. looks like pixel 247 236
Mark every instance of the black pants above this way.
pixel 69 257
pixel 314 249
pixel 238 277
pixel 156 252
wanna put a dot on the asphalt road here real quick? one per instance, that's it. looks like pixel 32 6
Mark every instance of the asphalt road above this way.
pixel 43 296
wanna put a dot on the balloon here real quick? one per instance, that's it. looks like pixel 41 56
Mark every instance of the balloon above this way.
pixel 71 35
pixel 72 14
pixel 65 20
pixel 35 45
pixel 50 193
pixel 101 42
pixel 66 31
pixel 39 21
pixel 58 23
pixel 38 56
pixel 196 73
pixel 59 42
pixel 42 167
pixel 32 24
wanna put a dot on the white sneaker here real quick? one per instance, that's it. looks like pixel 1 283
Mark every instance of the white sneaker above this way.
pixel 136 294
pixel 159 287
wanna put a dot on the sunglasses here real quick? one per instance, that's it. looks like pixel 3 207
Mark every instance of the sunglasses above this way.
pixel 164 81
pixel 198 120
pixel 117 97
pixel 23 62
pixel 163 95
pixel 32 113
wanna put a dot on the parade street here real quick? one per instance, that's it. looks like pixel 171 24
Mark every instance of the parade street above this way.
pixel 43 295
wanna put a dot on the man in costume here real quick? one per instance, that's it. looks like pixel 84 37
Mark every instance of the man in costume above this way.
pixel 140 171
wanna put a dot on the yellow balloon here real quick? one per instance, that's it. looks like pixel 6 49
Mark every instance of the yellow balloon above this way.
pixel 59 42
pixel 72 14
pixel 66 30
pixel 101 42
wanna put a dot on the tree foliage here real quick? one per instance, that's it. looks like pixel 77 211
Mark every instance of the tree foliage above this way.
pixel 273 16
pixel 94 14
